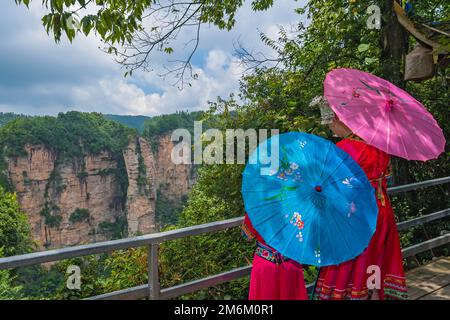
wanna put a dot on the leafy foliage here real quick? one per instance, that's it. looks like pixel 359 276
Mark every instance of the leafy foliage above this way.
pixel 93 274
pixel 79 215
pixel 38 282
pixel 14 228
pixel 167 210
pixel 116 21
pixel 116 229
pixel 7 117
pixel 51 213
pixel 70 134
pixel 126 268
pixel 215 197
pixel 8 290
pixel 14 239
pixel 163 124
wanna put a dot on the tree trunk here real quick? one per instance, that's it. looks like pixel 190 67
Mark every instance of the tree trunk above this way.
pixel 394 45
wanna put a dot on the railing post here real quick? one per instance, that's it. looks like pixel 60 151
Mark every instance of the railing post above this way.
pixel 153 272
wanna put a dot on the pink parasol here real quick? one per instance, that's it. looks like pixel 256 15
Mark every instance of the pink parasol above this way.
pixel 384 115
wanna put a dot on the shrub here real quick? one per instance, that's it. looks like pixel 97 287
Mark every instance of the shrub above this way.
pixel 79 215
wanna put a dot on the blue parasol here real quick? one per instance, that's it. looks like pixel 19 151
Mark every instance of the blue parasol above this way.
pixel 318 208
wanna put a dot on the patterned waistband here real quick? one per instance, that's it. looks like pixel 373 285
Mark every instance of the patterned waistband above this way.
pixel 269 254
pixel 380 184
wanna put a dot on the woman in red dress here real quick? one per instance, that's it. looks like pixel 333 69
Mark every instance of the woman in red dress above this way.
pixel 273 276
pixel 383 257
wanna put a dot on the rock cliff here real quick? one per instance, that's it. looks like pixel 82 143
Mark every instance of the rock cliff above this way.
pixel 95 197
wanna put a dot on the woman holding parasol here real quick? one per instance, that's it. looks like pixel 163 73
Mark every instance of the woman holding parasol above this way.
pixel 376 119
pixel 316 208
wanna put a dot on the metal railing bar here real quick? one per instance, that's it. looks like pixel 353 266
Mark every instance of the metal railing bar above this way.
pixel 424 219
pixel 107 246
pixel 426 245
pixel 153 272
pixel 211 281
pixel 112 245
pixel 418 185
pixel 141 292
pixel 175 291
pixel 133 293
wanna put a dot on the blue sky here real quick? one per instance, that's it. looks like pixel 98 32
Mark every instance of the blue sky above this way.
pixel 38 76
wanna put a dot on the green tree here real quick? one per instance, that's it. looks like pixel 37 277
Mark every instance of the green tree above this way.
pixel 14 239
pixel 215 197
pixel 14 228
pixel 6 117
pixel 8 290
pixel 93 274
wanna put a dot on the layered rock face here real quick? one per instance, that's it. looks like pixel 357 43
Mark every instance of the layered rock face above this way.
pixel 141 193
pixel 168 174
pixel 53 192
pixel 83 200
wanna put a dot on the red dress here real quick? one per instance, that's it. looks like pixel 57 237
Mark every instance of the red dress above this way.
pixel 273 276
pixel 348 280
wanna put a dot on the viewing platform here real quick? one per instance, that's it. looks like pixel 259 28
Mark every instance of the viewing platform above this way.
pixel 431 281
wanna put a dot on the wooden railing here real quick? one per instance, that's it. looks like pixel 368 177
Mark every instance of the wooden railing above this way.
pixel 152 289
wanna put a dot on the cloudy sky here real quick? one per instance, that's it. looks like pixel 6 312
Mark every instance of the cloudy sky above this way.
pixel 38 76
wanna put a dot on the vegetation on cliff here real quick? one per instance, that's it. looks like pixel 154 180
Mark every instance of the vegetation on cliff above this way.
pixel 70 135
pixel 162 125
pixel 79 215
pixel 168 210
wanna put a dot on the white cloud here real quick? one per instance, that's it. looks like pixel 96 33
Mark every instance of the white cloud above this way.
pixel 119 96
pixel 216 60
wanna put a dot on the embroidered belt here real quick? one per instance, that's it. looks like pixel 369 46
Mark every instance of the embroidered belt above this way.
pixel 380 183
pixel 269 254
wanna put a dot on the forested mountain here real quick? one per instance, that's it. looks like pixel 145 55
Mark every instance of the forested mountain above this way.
pixel 6 117
pixel 135 122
